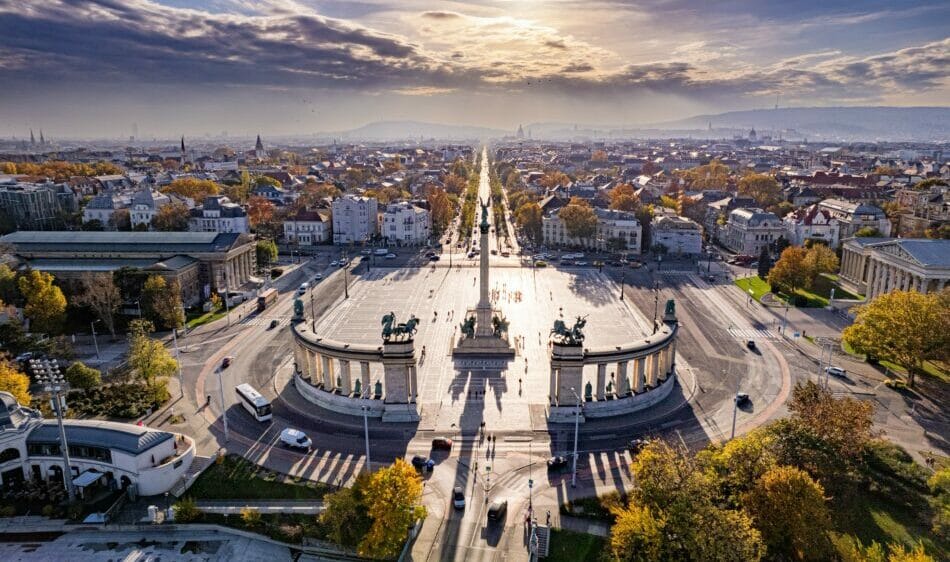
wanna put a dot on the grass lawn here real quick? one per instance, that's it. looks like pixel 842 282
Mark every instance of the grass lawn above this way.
pixel 758 286
pixel 930 368
pixel 569 546
pixel 204 318
pixel 238 479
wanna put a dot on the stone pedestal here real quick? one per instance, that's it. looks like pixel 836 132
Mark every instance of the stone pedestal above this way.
pixel 400 384
pixel 564 414
pixel 567 370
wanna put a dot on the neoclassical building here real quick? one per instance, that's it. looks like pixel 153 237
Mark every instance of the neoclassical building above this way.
pixel 874 266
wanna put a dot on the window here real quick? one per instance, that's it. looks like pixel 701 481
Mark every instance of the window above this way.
pixel 9 455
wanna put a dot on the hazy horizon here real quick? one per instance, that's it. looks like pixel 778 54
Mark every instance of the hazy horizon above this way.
pixel 161 68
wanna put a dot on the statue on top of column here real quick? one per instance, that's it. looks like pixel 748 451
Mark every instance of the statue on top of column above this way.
pixel 484 224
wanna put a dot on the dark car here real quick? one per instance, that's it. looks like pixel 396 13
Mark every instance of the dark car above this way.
pixel 497 510
pixel 557 463
pixel 637 445
pixel 226 362
pixel 273 324
pixel 443 443
pixel 742 398
pixel 751 345
pixel 614 263
pixel 419 462
pixel 433 258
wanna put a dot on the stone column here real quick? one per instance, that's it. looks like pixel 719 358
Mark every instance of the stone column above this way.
pixel 346 383
pixel 941 284
pixel 326 370
pixel 639 374
pixel 552 390
pixel 364 379
pixel 623 384
pixel 654 370
pixel 599 390
pixel 413 384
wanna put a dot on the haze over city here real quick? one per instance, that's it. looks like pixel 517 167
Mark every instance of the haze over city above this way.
pixel 93 68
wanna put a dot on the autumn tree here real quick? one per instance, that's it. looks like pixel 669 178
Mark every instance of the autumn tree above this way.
pixel 904 327
pixel 78 375
pixel 45 303
pixel 714 175
pixel 789 272
pixel 579 219
pixel 9 289
pixel 553 179
pixel 599 156
pixel 690 208
pixel 624 198
pixel 121 219
pixel 345 515
pixel 789 509
pixel 529 219
pixel 192 188
pixel 172 217
pixel 867 232
pixel 394 494
pixel 314 193
pixel 102 296
pixel 148 358
pixel 14 382
pixel 738 463
pixel 636 535
pixel 454 183
pixel 440 208
pixel 161 302
pixel 820 259
pixel 259 210
pixel 761 187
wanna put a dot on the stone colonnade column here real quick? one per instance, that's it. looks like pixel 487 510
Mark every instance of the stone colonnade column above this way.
pixel 413 383
pixel 364 379
pixel 623 383
pixel 599 393
pixel 326 369
pixel 639 374
pixel 346 383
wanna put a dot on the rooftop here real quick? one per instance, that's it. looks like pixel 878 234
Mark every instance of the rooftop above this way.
pixel 132 439
pixel 162 243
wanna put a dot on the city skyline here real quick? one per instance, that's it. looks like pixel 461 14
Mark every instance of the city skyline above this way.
pixel 95 68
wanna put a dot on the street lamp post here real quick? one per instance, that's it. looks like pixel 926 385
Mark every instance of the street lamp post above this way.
pixel 313 312
pixel 366 434
pixel 346 287
pixel 95 341
pixel 227 303
pixel 656 303
pixel 577 421
pixel 224 409
pixel 623 278
pixel 48 374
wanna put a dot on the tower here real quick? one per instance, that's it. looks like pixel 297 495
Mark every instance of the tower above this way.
pixel 42 140
pixel 32 138
pixel 520 132
pixel 259 148
pixel 183 150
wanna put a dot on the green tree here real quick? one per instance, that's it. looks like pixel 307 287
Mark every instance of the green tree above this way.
pixel 394 495
pixel 761 187
pixel 186 510
pixel 45 303
pixel 529 219
pixel 102 296
pixel 789 509
pixel 161 302
pixel 579 218
pixel 765 262
pixel 14 382
pixel 789 272
pixel 266 253
pixel 904 327
pixel 78 375
pixel 148 358
pixel 867 232
pixel 345 516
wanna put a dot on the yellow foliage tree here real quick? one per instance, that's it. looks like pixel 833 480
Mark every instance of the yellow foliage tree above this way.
pixel 193 188
pixel 624 198
pixel 904 327
pixel 393 497
pixel 149 359
pixel 45 303
pixel 14 382
pixel 714 175
pixel 761 187
pixel 579 218
pixel 637 535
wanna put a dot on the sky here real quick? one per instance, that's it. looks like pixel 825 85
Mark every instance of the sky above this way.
pixel 161 68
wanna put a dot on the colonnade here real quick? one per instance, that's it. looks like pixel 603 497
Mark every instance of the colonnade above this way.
pixel 884 278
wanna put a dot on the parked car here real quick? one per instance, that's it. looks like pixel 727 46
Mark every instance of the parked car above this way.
pixel 295 439
pixel 497 510
pixel 557 463
pixel 458 498
pixel 273 324
pixel 381 251
pixel 442 443
pixel 580 262
pixel 433 258
pixel 742 398
pixel 419 462
pixel 366 251
pixel 751 345
pixel 318 277
pixel 303 288
pixel 390 256
pixel 334 263
pixel 637 445
pixel 836 371
pixel 226 362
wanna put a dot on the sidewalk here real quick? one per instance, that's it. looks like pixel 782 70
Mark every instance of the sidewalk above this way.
pixel 232 507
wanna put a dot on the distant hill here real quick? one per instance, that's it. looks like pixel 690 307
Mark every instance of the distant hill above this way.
pixel 830 123
pixel 415 130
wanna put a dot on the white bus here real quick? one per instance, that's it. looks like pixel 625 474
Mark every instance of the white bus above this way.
pixel 253 402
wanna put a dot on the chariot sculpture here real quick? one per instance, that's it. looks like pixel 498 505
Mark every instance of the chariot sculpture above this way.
pixel 401 331
pixel 569 336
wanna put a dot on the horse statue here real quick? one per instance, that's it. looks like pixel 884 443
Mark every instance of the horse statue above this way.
pixel 468 327
pixel 387 323
pixel 577 335
pixel 499 325
pixel 569 336
pixel 407 328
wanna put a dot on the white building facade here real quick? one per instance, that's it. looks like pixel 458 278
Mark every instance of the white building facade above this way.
pixel 616 230
pixel 748 229
pixel 354 219
pixel 218 214
pixel 812 223
pixel 404 224
pixel 852 217
pixel 307 228
pixel 874 266
pixel 679 235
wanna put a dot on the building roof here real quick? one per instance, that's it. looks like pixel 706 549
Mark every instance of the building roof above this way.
pixel 167 243
pixel 91 265
pixel 132 439
pixel 12 414
pixel 927 252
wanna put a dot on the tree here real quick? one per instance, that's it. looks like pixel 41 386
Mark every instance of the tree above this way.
pixel 789 272
pixel 738 463
pixel 761 187
pixel 938 232
pixel 820 259
pixel 14 382
pixel 454 183
pixel 598 156
pixel 7 167
pixel 844 422
pixel 789 509
pixel 266 253
pixel 161 302
pixel 100 294
pixel 690 208
pixel 636 535
pixel 867 232
pixel 714 175
pixel 45 303
pixel 765 262
pixel 441 209
pixel 78 375
pixel 259 210
pixel 393 496
pixel 9 290
pixel 121 220
pixel 148 358
pixel 724 535
pixel 529 218
pixel 192 188
pixel 624 198
pixel 172 217
pixel 579 218
pixel 904 327
pixel 345 515
pixel 554 179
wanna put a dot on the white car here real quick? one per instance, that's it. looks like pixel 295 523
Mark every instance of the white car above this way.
pixel 836 371
pixel 366 251
pixel 381 251
pixel 390 256
pixel 295 439
pixel 303 288
pixel 318 277
pixel 334 263
pixel 458 498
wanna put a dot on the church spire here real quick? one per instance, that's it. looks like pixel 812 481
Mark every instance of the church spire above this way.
pixel 42 140
pixel 32 138
pixel 259 145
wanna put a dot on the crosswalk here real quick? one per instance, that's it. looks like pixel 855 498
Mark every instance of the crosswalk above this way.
pixel 752 334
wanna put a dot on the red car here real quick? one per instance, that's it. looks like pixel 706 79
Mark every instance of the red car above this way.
pixel 442 443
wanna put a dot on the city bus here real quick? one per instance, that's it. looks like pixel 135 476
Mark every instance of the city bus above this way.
pixel 253 402
pixel 266 298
